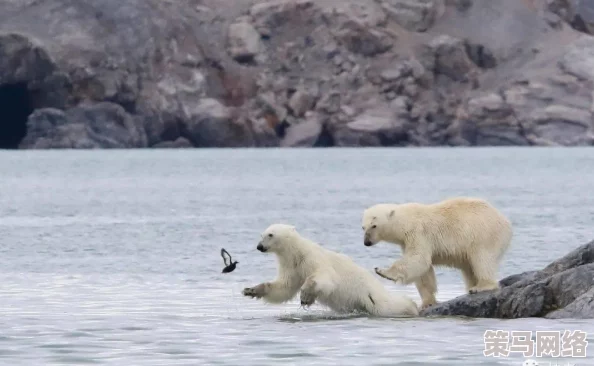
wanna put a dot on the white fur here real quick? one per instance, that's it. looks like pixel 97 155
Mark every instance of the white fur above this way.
pixel 321 275
pixel 464 233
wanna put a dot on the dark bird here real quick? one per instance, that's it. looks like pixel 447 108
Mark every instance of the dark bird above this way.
pixel 229 266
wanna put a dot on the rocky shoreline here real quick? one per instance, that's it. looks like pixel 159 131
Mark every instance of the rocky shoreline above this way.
pixel 563 289
pixel 92 74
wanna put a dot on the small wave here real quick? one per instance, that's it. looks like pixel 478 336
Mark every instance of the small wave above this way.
pixel 291 355
pixel 319 316
pixel 75 360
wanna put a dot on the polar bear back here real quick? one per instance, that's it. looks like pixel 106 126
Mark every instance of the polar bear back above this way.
pixel 453 228
pixel 351 286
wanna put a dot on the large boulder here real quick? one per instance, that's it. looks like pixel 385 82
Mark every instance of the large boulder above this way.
pixel 102 125
pixel 22 60
pixel 211 124
pixel 373 127
pixel 448 56
pixel 307 133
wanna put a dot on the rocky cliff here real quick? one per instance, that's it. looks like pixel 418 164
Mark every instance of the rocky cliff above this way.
pixel 228 73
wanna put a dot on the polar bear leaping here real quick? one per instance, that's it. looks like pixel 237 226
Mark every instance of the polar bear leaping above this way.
pixel 464 233
pixel 330 278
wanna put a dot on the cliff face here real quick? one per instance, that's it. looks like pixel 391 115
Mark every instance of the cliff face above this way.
pixel 226 73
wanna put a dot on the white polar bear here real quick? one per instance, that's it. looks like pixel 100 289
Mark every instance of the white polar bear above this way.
pixel 330 278
pixel 464 233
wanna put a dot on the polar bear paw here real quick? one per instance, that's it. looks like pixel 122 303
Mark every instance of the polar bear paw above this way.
pixel 488 287
pixel 307 299
pixel 426 306
pixel 250 292
pixel 257 291
pixel 385 273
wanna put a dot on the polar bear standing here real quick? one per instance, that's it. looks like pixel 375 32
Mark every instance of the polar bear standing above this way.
pixel 464 233
pixel 330 278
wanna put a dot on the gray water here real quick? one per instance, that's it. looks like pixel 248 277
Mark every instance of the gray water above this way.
pixel 112 257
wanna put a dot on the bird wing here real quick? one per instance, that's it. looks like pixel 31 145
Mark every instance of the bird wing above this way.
pixel 223 252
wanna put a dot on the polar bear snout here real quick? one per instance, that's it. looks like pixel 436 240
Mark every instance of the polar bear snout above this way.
pixel 261 248
pixel 369 239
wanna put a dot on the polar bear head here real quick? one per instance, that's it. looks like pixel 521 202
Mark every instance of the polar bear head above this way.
pixel 277 238
pixel 380 222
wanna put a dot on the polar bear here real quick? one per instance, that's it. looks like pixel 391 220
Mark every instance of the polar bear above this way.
pixel 463 232
pixel 330 278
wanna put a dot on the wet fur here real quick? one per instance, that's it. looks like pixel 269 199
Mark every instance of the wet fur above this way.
pixel 329 278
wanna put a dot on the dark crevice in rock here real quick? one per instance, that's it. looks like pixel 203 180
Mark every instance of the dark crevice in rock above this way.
pixel 481 55
pixel 281 129
pixel 247 60
pixel 179 129
pixel 579 25
pixel 174 130
pixel 325 139
pixel 394 138
pixel 129 106
pixel 15 107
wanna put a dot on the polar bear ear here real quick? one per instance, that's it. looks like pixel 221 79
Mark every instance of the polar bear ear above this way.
pixel 391 214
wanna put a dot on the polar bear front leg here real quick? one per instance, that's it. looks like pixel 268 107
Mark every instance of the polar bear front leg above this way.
pixel 409 269
pixel 258 291
pixel 427 287
pixel 274 292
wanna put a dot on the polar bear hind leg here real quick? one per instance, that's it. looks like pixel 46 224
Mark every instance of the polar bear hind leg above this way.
pixel 484 268
pixel 470 280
